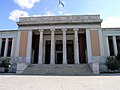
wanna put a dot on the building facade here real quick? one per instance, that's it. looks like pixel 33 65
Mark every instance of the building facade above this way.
pixel 54 40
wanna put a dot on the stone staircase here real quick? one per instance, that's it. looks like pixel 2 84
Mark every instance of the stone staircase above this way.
pixel 59 69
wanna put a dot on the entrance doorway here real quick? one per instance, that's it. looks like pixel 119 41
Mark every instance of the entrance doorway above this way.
pixel 58 52
pixel 35 48
pixel 47 52
pixel 70 52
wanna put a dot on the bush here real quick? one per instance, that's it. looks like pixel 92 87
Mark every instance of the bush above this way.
pixel 118 56
pixel 5 63
pixel 112 63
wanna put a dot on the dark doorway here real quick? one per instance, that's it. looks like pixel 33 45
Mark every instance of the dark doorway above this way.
pixel 59 58
pixel 82 47
pixel 9 47
pixel 47 52
pixel 70 53
pixel 58 52
pixel 111 45
pixel 35 48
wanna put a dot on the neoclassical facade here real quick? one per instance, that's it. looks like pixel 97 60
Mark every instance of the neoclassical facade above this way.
pixel 55 40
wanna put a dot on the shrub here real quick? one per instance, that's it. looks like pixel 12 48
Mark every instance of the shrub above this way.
pixel 5 63
pixel 118 56
pixel 112 63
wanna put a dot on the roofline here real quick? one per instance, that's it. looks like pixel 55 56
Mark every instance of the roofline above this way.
pixel 112 28
pixel 63 15
pixel 7 30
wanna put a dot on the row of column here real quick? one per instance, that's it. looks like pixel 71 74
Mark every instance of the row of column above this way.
pixel 6 47
pixel 114 45
pixel 52 58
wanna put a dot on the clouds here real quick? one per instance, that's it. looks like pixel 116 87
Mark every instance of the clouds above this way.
pixel 14 15
pixel 111 22
pixel 26 3
pixel 49 13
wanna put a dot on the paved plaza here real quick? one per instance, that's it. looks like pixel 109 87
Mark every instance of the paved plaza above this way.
pixel 29 82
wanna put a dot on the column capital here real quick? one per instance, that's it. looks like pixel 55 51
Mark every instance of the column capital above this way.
pixel 52 29
pixel 41 30
pixel 64 29
pixel 75 29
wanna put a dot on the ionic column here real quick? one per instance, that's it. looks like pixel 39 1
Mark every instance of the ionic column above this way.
pixel 41 47
pixel 76 48
pixel 115 45
pixel 64 47
pixel 107 45
pixel 88 41
pixel 29 47
pixel 12 48
pixel 52 57
pixel 0 45
pixel 6 47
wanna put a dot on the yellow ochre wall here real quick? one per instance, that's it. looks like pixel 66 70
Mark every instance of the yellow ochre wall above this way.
pixel 95 45
pixel 23 43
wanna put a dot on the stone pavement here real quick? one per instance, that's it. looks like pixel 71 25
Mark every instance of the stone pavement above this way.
pixel 35 82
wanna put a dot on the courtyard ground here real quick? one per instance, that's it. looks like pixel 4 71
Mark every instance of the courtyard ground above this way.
pixel 40 82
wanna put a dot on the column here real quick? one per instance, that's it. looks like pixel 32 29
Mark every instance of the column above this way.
pixel 107 45
pixel 29 47
pixel 6 48
pixel 76 48
pixel 88 42
pixel 0 45
pixel 115 45
pixel 41 47
pixel 12 48
pixel 17 44
pixel 101 43
pixel 52 58
pixel 64 47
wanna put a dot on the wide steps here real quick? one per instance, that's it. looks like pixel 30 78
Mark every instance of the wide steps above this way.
pixel 57 69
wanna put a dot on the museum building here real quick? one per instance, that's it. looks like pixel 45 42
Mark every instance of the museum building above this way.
pixel 60 41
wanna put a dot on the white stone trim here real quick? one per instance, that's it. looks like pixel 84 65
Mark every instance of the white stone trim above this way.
pixel 6 47
pixel 76 48
pixel 7 35
pixel 17 44
pixel 101 43
pixel 64 47
pixel 61 26
pixel 88 42
pixel 12 47
pixel 40 57
pixel 115 45
pixel 111 33
pixel 29 47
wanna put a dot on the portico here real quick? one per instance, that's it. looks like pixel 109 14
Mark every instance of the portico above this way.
pixel 54 43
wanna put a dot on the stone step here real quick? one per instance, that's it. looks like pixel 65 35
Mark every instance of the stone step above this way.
pixel 58 69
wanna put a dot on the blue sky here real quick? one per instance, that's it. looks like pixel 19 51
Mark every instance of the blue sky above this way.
pixel 11 10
